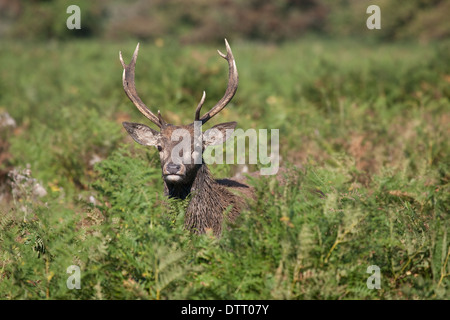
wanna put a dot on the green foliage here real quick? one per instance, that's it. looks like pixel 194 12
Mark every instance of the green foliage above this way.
pixel 364 136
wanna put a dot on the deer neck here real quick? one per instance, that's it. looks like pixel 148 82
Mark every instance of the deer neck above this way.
pixel 209 200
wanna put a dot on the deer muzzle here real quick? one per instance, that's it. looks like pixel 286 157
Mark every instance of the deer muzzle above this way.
pixel 174 172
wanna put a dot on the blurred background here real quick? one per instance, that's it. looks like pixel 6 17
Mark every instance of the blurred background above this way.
pixel 206 21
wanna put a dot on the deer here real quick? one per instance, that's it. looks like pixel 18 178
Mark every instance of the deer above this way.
pixel 210 200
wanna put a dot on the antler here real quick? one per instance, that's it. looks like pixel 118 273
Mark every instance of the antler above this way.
pixel 130 89
pixel 233 80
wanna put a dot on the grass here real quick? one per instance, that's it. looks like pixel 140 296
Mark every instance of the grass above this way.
pixel 363 127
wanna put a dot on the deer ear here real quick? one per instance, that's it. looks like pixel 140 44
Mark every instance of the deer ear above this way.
pixel 218 134
pixel 142 134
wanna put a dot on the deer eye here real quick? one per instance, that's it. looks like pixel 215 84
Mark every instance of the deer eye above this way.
pixel 159 148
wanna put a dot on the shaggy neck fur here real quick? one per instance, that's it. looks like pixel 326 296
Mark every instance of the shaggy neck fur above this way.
pixel 209 201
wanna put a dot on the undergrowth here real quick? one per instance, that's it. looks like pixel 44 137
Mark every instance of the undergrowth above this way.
pixel 365 141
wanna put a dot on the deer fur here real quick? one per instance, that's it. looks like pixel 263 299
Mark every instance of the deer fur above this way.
pixel 210 200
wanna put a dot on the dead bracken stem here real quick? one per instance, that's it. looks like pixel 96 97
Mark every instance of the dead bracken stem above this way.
pixel 407 263
pixel 443 273
pixel 340 238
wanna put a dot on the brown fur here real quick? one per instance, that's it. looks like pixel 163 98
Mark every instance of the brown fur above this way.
pixel 210 199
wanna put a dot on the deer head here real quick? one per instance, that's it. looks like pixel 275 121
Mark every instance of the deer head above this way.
pixel 180 147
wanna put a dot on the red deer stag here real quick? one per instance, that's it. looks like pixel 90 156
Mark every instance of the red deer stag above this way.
pixel 209 198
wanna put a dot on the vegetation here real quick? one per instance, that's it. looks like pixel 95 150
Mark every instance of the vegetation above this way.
pixel 364 130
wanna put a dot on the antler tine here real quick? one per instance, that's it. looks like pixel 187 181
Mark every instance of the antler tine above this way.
pixel 130 88
pixel 233 80
pixel 161 120
pixel 199 107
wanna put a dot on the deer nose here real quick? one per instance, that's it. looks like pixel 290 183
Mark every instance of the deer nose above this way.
pixel 173 168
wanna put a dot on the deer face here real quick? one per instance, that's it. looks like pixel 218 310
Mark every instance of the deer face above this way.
pixel 180 147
